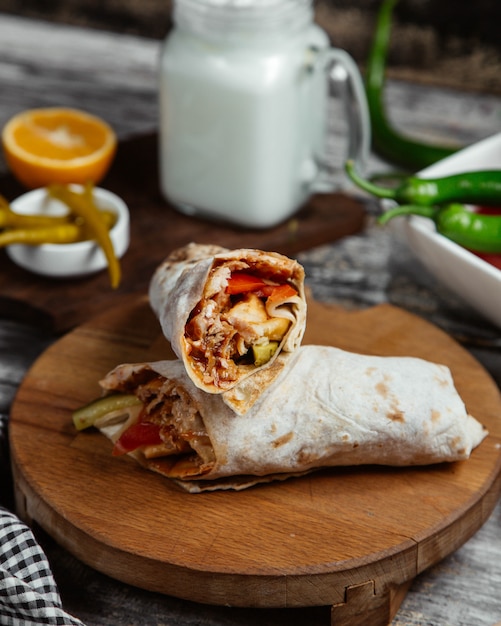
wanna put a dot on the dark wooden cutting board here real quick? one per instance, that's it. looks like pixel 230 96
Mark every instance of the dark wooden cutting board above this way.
pixel 157 229
pixel 349 537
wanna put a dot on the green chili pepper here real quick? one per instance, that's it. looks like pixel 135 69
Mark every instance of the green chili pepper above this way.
pixel 82 205
pixel 10 219
pixel 477 187
pixel 474 231
pixel 61 233
pixel 388 142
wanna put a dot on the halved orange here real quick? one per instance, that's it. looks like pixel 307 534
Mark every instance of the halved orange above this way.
pixel 58 145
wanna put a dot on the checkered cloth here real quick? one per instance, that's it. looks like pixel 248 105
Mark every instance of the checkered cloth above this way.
pixel 28 592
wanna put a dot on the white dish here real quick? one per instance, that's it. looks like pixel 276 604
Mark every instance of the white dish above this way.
pixel 477 282
pixel 75 259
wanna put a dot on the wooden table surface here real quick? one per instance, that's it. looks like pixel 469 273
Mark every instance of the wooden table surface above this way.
pixel 114 76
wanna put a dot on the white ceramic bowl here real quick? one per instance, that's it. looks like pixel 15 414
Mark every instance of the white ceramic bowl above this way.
pixel 471 278
pixel 75 259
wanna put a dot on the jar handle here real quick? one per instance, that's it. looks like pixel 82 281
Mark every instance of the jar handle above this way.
pixel 345 81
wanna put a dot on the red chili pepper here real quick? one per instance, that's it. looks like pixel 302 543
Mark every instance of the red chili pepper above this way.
pixel 492 259
pixel 137 435
pixel 488 210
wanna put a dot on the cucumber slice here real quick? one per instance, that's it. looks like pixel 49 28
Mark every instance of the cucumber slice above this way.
pixel 85 416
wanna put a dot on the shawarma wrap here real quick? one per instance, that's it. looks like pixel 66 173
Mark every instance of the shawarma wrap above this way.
pixel 229 314
pixel 328 407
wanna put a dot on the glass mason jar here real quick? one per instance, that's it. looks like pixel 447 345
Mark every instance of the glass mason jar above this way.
pixel 244 90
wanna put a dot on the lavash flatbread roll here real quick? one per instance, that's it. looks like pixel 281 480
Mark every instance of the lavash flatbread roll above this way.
pixel 327 408
pixel 229 313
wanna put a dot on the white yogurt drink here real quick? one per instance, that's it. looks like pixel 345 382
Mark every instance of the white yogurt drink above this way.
pixel 242 106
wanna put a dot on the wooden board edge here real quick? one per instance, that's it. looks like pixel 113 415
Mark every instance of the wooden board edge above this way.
pixel 223 589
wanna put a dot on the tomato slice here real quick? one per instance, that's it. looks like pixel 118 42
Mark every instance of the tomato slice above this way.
pixel 241 282
pixel 279 292
pixel 137 435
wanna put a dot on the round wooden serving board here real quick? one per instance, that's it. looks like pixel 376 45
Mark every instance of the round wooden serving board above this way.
pixel 303 542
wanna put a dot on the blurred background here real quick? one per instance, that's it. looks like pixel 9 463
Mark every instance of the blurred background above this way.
pixel 442 42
